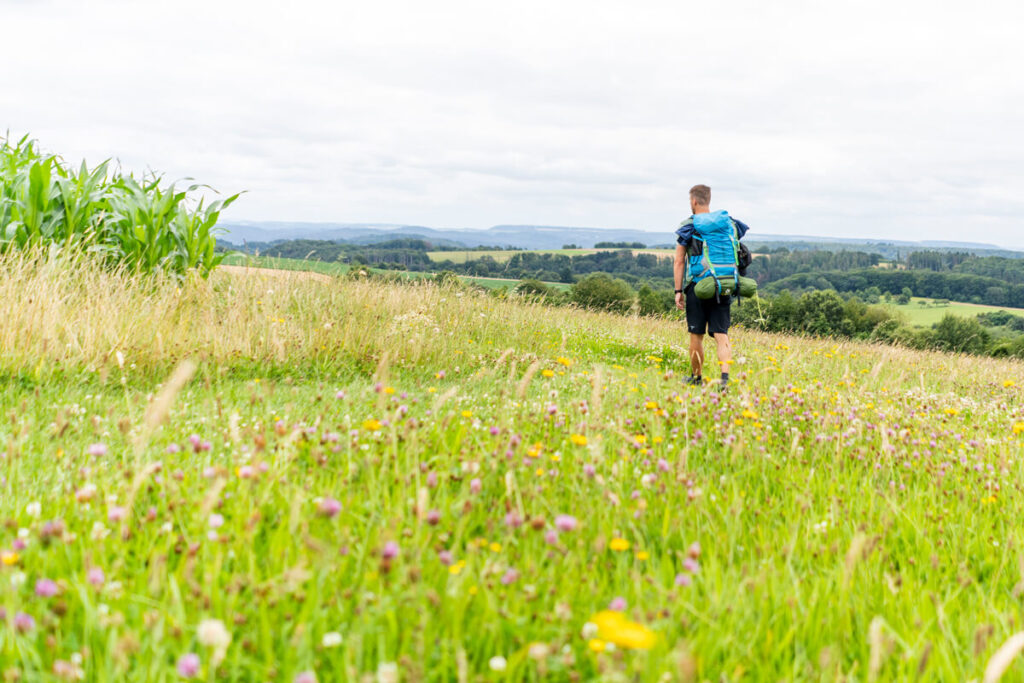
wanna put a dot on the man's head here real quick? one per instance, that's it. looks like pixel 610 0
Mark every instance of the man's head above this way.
pixel 700 199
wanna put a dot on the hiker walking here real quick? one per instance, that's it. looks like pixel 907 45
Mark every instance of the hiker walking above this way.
pixel 707 272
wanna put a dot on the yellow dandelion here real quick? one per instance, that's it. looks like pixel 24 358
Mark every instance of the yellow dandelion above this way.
pixel 643 555
pixel 597 645
pixel 578 440
pixel 614 627
pixel 9 557
pixel 619 544
pixel 467 413
pixel 495 547
pixel 371 425
pixel 547 373
pixel 567 362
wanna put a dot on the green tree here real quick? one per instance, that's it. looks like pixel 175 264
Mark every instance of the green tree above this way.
pixel 960 335
pixel 603 292
pixel 905 295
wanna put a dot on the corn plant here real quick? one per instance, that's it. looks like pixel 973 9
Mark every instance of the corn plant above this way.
pixel 138 222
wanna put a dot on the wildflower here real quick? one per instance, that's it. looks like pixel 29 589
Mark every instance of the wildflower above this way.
pixel 97 450
pixel 211 633
pixel 643 555
pixel 433 517
pixel 547 373
pixel 85 494
pixel 1018 428
pixel 683 580
pixel 513 520
pixel 117 513
pixel 389 551
pixel 371 425
pixel 474 485
pixel 188 665
pixel 614 627
pixel 619 544
pixel 1009 383
pixel 690 565
pixel 495 547
pixel 387 672
pixel 46 588
pixel 538 651
pixel 328 507
pixel 95 576
pixel 566 523
pixel 578 440
pixel 331 639
pixel 589 630
pixel 510 576
pixel 551 537
pixel 246 472
pixel 24 622
pixel 596 645
pixel 497 663
pixel 8 557
pixel 617 604
pixel 33 509
pixel 589 470
pixel 305 677
pixel 694 550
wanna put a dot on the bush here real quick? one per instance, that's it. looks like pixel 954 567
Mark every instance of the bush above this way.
pixel 603 292
pixel 960 335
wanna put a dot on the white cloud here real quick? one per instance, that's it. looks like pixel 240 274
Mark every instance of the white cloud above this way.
pixel 866 118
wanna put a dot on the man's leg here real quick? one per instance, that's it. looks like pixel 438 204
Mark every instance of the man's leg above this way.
pixel 724 354
pixel 696 354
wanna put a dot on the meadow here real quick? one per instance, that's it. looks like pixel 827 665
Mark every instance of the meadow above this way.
pixel 504 255
pixel 251 477
pixel 926 312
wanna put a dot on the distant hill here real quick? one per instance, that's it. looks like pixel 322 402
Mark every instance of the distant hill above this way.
pixel 554 237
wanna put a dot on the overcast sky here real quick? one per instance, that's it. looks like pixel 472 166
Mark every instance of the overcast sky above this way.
pixel 899 119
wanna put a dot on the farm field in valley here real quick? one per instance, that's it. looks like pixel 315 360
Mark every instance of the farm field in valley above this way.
pixel 277 477
pixel 504 255
pixel 925 312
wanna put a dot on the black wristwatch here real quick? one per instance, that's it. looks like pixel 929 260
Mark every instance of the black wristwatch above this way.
pixel 679 291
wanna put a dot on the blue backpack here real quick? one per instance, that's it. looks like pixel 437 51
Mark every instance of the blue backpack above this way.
pixel 714 253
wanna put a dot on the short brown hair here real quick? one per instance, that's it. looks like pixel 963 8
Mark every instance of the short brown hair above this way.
pixel 701 194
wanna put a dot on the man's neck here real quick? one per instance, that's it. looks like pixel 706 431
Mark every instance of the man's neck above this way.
pixel 701 209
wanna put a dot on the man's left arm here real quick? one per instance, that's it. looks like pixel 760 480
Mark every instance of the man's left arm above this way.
pixel 741 228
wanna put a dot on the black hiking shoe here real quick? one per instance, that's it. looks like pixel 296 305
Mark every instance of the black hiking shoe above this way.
pixel 694 381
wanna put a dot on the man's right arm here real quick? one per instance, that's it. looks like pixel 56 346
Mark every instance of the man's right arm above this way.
pixel 678 269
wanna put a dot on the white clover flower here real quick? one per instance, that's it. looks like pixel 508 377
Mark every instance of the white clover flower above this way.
pixel 212 633
pixel 331 639
pixel 498 663
pixel 33 509
pixel 387 672
pixel 589 631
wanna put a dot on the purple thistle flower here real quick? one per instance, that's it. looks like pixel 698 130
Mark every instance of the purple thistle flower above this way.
pixel 495 431
pixel 690 565
pixel 24 622
pixel 389 551
pixel 173 448
pixel 663 465
pixel 95 576
pixel 513 520
pixel 328 507
pixel 433 517
pixel 683 580
pixel 46 588
pixel 617 605
pixel 565 523
pixel 474 486
pixel 551 537
pixel 510 576
pixel 589 470
pixel 188 665
pixel 445 557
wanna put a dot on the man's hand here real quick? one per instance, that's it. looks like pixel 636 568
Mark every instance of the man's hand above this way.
pixel 680 303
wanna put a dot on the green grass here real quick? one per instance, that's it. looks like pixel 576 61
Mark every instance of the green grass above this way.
pixel 925 312
pixel 387 462
pixel 326 268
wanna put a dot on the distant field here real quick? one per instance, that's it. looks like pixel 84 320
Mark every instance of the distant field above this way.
pixel 341 268
pixel 503 256
pixel 925 316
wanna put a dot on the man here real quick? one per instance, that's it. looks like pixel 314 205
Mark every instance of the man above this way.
pixel 702 315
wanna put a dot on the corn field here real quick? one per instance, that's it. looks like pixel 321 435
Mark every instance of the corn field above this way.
pixel 140 223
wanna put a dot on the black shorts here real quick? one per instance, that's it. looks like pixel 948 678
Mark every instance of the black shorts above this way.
pixel 707 315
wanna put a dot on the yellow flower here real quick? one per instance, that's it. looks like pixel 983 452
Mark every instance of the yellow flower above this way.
pixel 1009 383
pixel 389 390
pixel 951 411
pixel 467 413
pixel 596 645
pixel 614 627
pixel 749 414
pixel 651 405
pixel 431 390
pixel 547 373
pixel 9 557
pixel 564 361
pixel 578 440
pixel 472 590
pixel 640 438
pixel 643 555
pixel 495 547
pixel 619 544
pixel 1018 428
pixel 372 425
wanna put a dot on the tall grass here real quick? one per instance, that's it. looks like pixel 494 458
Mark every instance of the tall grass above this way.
pixel 141 223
